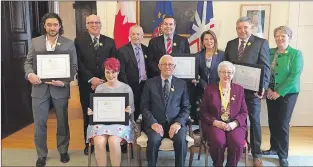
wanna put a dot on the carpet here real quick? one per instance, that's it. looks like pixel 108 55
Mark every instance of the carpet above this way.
pixel 27 157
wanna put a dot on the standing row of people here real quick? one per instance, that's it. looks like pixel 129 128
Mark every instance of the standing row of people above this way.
pixel 140 71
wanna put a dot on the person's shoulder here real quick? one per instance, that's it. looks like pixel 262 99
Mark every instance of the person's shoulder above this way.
pixel 65 40
pixel 39 38
pixel 179 81
pixel 100 88
pixel 179 37
pixel 211 87
pixel 153 80
pixel 126 87
pixel 232 41
pixel 237 87
pixel 256 38
pixel 155 39
pixel 82 37
pixel 106 38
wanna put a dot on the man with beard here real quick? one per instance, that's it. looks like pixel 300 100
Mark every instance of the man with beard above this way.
pixel 133 57
pixel 92 50
pixel 56 91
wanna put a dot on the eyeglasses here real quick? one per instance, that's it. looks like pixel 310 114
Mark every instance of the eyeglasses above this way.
pixel 92 22
pixel 168 65
pixel 226 72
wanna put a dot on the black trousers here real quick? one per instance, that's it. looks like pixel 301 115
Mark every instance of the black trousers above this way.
pixel 254 109
pixel 279 115
pixel 137 91
pixel 154 142
pixel 84 93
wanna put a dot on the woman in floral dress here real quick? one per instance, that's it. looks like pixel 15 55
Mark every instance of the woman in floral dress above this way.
pixel 115 133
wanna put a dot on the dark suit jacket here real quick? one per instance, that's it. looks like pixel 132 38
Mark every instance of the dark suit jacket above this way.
pixel 156 50
pixel 204 71
pixel 129 73
pixel 90 61
pixel 255 53
pixel 154 109
pixel 210 109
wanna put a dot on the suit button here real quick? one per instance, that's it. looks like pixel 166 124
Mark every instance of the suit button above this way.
pixel 276 64
pixel 97 66
pixel 276 73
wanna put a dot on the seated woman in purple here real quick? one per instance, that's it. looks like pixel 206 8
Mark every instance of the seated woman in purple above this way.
pixel 223 113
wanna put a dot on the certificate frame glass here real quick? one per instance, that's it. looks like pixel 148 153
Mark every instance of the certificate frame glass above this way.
pixel 251 67
pixel 186 59
pixel 119 100
pixel 41 57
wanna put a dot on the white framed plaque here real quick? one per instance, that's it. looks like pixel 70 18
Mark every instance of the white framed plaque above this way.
pixel 53 66
pixel 185 66
pixel 109 108
pixel 249 76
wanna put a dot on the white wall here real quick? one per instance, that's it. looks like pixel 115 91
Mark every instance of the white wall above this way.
pixel 297 15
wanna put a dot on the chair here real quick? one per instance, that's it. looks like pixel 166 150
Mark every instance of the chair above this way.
pixel 130 152
pixel 166 144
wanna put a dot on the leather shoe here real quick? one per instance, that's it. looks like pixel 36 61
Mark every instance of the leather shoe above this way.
pixel 41 162
pixel 64 157
pixel 86 149
pixel 269 152
pixel 283 162
pixel 257 162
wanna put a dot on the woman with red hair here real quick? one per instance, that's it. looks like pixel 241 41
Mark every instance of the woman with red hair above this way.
pixel 115 133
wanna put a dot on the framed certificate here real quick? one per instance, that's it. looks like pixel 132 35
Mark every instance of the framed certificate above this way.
pixel 53 66
pixel 249 76
pixel 109 108
pixel 185 66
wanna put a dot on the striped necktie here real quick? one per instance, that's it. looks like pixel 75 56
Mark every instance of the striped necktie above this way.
pixel 95 43
pixel 241 49
pixel 169 46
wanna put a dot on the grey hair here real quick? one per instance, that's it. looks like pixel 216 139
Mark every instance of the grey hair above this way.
pixel 87 18
pixel 285 29
pixel 135 26
pixel 164 56
pixel 226 64
pixel 244 19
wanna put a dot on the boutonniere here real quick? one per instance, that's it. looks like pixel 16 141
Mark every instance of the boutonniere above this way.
pixel 286 51
pixel 233 98
pixel 172 89
pixel 249 43
pixel 145 56
pixel 174 44
pixel 100 44
pixel 58 44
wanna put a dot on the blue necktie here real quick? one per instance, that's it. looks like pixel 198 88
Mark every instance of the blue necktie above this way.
pixel 137 54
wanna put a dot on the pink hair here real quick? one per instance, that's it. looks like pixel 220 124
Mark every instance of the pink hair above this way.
pixel 112 64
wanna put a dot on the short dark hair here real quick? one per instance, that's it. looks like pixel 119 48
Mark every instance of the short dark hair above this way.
pixel 209 32
pixel 169 17
pixel 48 16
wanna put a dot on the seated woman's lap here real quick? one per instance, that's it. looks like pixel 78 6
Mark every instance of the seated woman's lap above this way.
pixel 219 138
pixel 102 140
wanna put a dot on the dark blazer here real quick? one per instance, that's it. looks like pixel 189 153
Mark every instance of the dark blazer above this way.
pixel 90 61
pixel 204 71
pixel 255 52
pixel 154 109
pixel 210 109
pixel 129 73
pixel 156 50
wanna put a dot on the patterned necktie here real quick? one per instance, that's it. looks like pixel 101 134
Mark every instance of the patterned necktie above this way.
pixel 137 54
pixel 166 91
pixel 169 46
pixel 241 49
pixel 95 43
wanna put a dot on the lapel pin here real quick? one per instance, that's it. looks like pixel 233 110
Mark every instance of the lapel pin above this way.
pixel 145 56
pixel 58 44
pixel 172 89
pixel 100 44
pixel 249 43
pixel 174 44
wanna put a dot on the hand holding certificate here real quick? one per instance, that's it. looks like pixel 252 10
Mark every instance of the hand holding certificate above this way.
pixel 249 76
pixel 109 108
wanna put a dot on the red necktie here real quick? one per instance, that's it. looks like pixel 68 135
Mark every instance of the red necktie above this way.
pixel 169 46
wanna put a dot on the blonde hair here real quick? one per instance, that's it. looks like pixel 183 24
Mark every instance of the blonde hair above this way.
pixel 285 29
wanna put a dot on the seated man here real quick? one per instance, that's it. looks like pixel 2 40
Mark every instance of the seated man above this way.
pixel 165 106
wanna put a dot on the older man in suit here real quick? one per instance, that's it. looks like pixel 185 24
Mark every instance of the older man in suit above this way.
pixel 92 50
pixel 133 70
pixel 248 48
pixel 56 91
pixel 165 106
pixel 167 43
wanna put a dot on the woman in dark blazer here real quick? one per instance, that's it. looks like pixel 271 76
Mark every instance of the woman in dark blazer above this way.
pixel 207 61
pixel 223 113
pixel 282 94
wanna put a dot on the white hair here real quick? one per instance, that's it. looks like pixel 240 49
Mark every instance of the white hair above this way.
pixel 165 56
pixel 87 18
pixel 227 64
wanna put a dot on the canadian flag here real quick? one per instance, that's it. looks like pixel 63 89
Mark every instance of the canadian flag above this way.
pixel 125 17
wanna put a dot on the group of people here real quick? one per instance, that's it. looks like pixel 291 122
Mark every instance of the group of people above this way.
pixel 165 101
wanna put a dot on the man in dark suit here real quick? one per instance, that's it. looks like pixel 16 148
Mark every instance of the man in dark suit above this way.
pixel 165 106
pixel 56 91
pixel 248 48
pixel 92 50
pixel 167 43
pixel 133 57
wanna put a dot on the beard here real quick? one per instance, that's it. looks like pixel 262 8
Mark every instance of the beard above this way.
pixel 52 33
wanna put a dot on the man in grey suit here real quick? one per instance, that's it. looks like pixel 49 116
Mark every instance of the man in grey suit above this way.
pixel 56 91
pixel 248 48
pixel 165 107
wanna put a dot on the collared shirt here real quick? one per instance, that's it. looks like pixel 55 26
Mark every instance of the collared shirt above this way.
pixel 165 39
pixel 169 81
pixel 246 41
pixel 48 45
pixel 142 72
